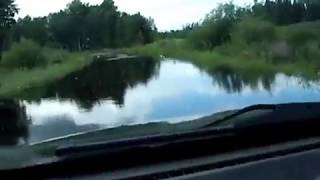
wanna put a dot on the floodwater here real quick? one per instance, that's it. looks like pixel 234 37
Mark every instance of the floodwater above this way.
pixel 127 92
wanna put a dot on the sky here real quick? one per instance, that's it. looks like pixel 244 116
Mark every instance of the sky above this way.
pixel 168 14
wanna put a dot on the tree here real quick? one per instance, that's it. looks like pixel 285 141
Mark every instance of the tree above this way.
pixel 139 29
pixel 76 13
pixel 284 12
pixel 35 29
pixel 62 31
pixel 217 25
pixel 68 27
pixel 108 17
pixel 7 11
pixel 82 26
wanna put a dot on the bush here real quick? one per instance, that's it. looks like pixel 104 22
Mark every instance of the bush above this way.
pixel 298 37
pixel 24 54
pixel 304 42
pixel 211 34
pixel 254 30
pixel 54 56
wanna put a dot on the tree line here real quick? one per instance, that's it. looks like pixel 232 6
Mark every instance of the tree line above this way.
pixel 284 12
pixel 79 26
pixel 225 21
pixel 82 26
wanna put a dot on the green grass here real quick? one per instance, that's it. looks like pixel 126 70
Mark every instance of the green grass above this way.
pixel 60 63
pixel 211 60
pixel 256 47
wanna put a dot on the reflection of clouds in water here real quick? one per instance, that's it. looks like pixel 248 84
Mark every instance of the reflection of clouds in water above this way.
pixel 172 81
pixel 98 115
pixel 181 91
pixel 41 111
pixel 57 126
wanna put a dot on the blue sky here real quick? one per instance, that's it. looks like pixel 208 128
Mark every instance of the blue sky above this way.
pixel 168 14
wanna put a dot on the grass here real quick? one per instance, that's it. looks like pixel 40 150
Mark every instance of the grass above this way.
pixel 212 60
pixel 60 63
pixel 256 47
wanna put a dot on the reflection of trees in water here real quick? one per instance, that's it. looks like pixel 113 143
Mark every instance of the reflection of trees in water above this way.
pixel 14 123
pixel 309 84
pixel 102 80
pixel 235 82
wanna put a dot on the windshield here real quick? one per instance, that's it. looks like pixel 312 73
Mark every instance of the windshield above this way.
pixel 74 68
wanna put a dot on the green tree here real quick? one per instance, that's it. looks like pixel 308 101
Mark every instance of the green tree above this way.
pixel 285 12
pixel 62 30
pixel 7 11
pixel 101 24
pixel 76 13
pixel 82 26
pixel 35 29
pixel 68 26
pixel 217 25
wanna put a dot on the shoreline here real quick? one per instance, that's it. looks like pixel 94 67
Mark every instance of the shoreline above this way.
pixel 215 61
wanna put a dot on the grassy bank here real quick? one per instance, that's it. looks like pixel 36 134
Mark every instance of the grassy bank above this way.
pixel 248 45
pixel 215 59
pixel 59 63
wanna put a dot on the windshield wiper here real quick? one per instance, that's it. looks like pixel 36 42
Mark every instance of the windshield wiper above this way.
pixel 275 114
pixel 281 117
pixel 241 112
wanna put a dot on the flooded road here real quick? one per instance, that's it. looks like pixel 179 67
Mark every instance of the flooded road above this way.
pixel 128 92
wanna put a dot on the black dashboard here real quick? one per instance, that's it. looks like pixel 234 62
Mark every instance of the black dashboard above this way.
pixel 298 160
pixel 301 166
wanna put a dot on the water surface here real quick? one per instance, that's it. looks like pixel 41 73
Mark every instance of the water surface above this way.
pixel 127 92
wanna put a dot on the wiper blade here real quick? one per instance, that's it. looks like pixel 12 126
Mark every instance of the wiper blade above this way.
pixel 281 113
pixel 154 140
pixel 241 112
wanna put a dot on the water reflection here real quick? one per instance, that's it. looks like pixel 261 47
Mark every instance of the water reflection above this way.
pixel 102 80
pixel 111 94
pixel 234 82
pixel 14 124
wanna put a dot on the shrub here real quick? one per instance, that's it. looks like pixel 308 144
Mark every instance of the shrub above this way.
pixel 54 56
pixel 254 30
pixel 304 42
pixel 24 54
pixel 298 37
pixel 211 34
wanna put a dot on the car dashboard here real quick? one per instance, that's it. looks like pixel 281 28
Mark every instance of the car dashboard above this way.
pixel 296 160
